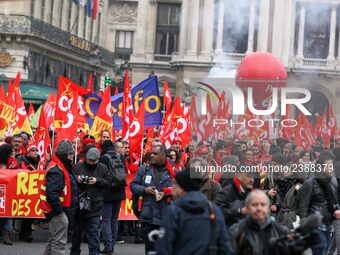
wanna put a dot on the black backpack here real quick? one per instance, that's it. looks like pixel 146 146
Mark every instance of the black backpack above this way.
pixel 116 168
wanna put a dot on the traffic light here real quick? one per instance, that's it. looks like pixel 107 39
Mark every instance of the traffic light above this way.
pixel 107 81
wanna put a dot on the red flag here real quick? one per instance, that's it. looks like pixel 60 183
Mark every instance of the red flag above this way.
pixel 42 138
pixel 137 131
pixel 324 130
pixel 116 91
pixel 66 91
pixel 3 122
pixel 103 119
pixel 167 97
pixel 209 128
pixel 304 136
pixel 21 120
pixel 90 83
pixel 177 123
pixel 95 9
pixel 331 122
pixel 243 130
pixel 223 107
pixel 318 126
pixel 150 136
pixel 31 112
pixel 49 109
pixel 11 89
pixel 194 117
pixel 127 109
pixel 287 132
pixel 67 124
pixel 7 111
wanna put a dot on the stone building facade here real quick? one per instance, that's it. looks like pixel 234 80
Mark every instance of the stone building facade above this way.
pixel 178 40
pixel 46 38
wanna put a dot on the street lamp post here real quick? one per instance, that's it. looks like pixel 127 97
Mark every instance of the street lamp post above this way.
pixel 95 60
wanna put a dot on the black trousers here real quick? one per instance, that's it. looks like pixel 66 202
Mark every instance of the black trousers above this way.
pixel 146 229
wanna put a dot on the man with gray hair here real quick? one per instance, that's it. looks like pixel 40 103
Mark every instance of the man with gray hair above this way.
pixel 251 236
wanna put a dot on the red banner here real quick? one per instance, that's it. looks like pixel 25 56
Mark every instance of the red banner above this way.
pixel 20 191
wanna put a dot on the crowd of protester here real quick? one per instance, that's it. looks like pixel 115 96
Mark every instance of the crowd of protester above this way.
pixel 183 203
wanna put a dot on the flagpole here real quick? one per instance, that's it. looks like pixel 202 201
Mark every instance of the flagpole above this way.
pixel 141 153
pixel 75 150
pixel 52 146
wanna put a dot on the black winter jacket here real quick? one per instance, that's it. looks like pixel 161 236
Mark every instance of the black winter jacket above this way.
pixel 101 173
pixel 312 197
pixel 230 200
pixel 55 184
pixel 248 237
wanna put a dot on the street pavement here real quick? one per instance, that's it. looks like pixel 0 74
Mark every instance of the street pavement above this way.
pixel 39 240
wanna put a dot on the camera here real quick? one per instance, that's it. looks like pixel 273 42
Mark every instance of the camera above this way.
pixel 85 179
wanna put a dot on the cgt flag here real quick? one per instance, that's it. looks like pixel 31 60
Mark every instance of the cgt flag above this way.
pixel 146 90
pixel 42 139
pixel 103 119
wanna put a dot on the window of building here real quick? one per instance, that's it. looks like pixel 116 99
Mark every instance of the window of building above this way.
pixel 32 8
pixel 124 44
pixel 317 30
pixel 236 26
pixel 42 13
pixel 168 17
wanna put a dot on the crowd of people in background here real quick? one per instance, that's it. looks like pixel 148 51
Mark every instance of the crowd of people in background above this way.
pixel 181 210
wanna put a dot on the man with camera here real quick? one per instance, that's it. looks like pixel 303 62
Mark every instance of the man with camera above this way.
pixel 92 178
pixel 258 234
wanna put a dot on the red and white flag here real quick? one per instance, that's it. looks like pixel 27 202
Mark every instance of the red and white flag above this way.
pixel 127 108
pixel 49 108
pixel 103 119
pixel 42 139
pixel 167 97
pixel 31 112
pixel 137 131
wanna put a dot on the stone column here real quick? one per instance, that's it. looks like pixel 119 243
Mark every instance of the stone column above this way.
pixel 151 31
pixel 331 57
pixel 47 14
pixel 37 9
pixel 301 30
pixel 251 28
pixel 262 38
pixel 80 24
pixel 208 28
pixel 74 17
pixel 183 32
pixel 140 40
pixel 193 31
pixel 220 28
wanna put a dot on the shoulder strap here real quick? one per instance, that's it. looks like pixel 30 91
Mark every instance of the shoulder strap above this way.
pixel 213 229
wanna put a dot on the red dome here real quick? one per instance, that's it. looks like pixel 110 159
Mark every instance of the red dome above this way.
pixel 261 66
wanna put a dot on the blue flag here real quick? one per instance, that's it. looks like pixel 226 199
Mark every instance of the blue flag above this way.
pixel 89 8
pixel 146 90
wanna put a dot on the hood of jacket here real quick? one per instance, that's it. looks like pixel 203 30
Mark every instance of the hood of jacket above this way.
pixel 194 202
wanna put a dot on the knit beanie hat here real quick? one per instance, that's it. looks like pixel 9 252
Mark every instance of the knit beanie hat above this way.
pixel 187 181
pixel 65 147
